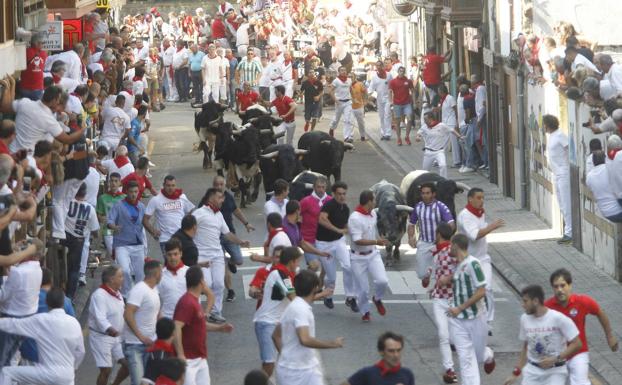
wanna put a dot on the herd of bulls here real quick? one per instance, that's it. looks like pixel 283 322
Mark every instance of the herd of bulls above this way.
pixel 249 153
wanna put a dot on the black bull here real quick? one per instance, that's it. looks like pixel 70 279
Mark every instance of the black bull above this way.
pixel 446 189
pixel 279 161
pixel 392 216
pixel 325 153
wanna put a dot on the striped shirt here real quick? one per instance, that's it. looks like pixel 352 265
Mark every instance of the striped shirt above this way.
pixel 429 217
pixel 249 71
pixel 468 277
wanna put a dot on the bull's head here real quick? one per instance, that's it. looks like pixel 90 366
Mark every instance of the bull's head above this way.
pixel 392 220
pixel 446 191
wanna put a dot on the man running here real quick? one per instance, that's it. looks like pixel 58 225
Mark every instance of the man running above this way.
pixel 310 207
pixel 313 90
pixel 577 307
pixel 435 137
pixel 359 100
pixel 380 84
pixel 291 226
pixel 343 103
pixel 401 91
pixel 286 110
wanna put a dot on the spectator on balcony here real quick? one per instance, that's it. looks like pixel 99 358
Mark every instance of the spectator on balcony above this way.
pixel 612 72
pixel 574 59
pixel 31 83
pixel 58 72
pixel 598 181
pixel 614 166
pixel 73 60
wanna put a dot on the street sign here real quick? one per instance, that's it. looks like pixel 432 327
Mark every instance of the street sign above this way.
pixel 52 36
pixel 488 57
pixel 103 4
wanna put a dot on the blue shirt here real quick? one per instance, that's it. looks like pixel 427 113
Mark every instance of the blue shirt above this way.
pixel 130 218
pixel 136 128
pixel 29 348
pixel 233 64
pixel 371 376
pixel 227 209
pixel 195 60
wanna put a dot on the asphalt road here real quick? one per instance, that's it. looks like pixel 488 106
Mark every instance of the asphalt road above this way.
pixel 409 311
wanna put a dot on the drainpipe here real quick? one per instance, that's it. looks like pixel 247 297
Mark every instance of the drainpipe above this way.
pixel 522 138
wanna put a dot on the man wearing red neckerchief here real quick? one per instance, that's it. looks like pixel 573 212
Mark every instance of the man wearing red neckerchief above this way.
pixel 286 108
pixel 140 176
pixel 161 351
pixel 472 223
pixel 173 282
pixel 246 98
pixel 389 370
pixel 380 84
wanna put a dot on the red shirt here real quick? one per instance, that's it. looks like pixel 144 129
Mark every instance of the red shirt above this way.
pixel 32 76
pixel 194 332
pixel 431 73
pixel 218 29
pixel 143 183
pixel 282 107
pixel 579 306
pixel 401 90
pixel 4 149
pixel 247 99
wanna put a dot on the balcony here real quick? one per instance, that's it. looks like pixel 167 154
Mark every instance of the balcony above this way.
pixel 71 9
pixel 463 11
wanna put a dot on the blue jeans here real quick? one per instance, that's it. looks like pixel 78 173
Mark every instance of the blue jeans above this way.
pixel 267 350
pixel 32 94
pixel 234 251
pixel 136 361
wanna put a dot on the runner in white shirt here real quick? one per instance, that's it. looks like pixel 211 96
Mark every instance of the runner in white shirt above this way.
pixel 92 189
pixel 116 124
pixel 365 258
pixel 105 323
pixel 343 101
pixel 294 337
pixel 435 135
pixel 59 339
pixel 380 85
pixel 449 117
pixel 597 180
pixel 278 202
pixel 210 226
pixel 120 164
pixel 549 338
pixel 472 223
pixel 168 208
pixel 141 314
pixel 212 73
pixel 276 235
pixel 173 283
pixel 557 156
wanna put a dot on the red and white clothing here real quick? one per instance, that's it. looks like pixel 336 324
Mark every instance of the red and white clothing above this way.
pixel 343 105
pixel 19 294
pixel 282 105
pixel 106 311
pixel 31 79
pixel 171 287
pixel 310 207
pixel 247 99
pixel 120 165
pixel 444 265
pixel 168 212
pixel 194 335
pixel 34 121
pixel 435 139
pixel 147 301
pixel 380 85
pixel 116 124
pixel 401 87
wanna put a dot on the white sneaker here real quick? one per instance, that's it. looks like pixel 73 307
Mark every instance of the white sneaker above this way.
pixel 461 169
pixel 82 279
pixel 466 169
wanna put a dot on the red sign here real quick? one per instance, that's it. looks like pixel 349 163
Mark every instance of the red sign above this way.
pixel 72 32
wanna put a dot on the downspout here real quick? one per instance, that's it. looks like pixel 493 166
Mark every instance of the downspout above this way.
pixel 522 138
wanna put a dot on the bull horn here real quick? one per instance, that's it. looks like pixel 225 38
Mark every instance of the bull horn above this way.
pixel 300 151
pixel 236 132
pixel 279 135
pixel 462 186
pixel 325 141
pixel 270 155
pixel 404 208
pixel 349 146
pixel 309 185
pixel 265 131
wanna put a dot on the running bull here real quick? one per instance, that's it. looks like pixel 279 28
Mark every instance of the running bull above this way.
pixel 325 153
pixel 279 161
pixel 446 189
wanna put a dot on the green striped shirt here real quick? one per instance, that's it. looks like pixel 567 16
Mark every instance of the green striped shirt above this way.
pixel 249 71
pixel 468 277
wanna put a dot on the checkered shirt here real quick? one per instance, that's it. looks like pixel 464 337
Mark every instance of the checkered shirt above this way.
pixel 444 264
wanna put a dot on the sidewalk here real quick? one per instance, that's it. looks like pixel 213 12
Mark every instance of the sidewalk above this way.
pixel 525 250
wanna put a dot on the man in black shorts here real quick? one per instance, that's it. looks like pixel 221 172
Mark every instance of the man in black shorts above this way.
pixel 313 89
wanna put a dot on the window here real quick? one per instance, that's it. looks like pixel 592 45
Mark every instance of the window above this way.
pixel 7 20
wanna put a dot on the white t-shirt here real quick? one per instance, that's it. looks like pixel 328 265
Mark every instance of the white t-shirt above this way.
pixel 211 68
pixel 168 213
pixel 116 121
pixel 264 80
pixel 342 89
pixel 271 309
pixel 124 171
pixel 380 86
pixel 92 186
pixel 436 138
pixel 34 122
pixel 81 219
pixel 275 72
pixel 470 225
pixel 272 206
pixel 148 302
pixel 362 227
pixel 167 57
pixel 293 354
pixel 447 111
pixel 241 35
pixel 210 226
pixel 547 336
pixel 615 77
pixel 582 60
pixel 105 311
pixel 598 181
pixel 615 174
pixel 171 288
pixel 179 58
pixel 280 239
pixel 74 105
pixel 557 153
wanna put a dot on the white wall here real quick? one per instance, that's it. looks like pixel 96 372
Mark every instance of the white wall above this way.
pixel 13 58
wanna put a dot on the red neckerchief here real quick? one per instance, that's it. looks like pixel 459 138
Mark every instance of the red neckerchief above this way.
pixel 137 79
pixel 477 212
pixel 121 161
pixel 385 370
pixel 222 8
pixel 283 269
pixel 154 58
pixel 174 269
pixel 163 346
pixel 175 195
pixel 612 153
pixel 361 209
pixel 109 290
pixel 382 74
pixel 343 78
pixel 56 78
pixel 440 246
pixel 43 181
pixel 115 193
pixel 214 208
pixel 135 203
pixel 348 5
pixel 433 124
pixel 163 380
pixel 272 234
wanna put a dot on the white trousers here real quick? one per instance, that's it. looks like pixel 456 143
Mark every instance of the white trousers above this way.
pixel 342 109
pixel 287 376
pixel 62 195
pixel 197 372
pixel 289 129
pixel 215 279
pixel 439 156
pixel 578 369
pixel 490 298
pixel 289 88
pixel 423 258
pixel 37 375
pixel 536 376
pixel 338 251
pixel 211 89
pixel 108 239
pixel 456 154
pixel 470 337
pixel 172 90
pixel 106 350
pixel 440 307
pixel 384 113
pixel 371 264
pixel 132 262
pixel 359 115
pixel 84 261
pixel 562 190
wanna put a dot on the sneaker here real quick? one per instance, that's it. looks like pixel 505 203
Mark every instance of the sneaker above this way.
pixel 379 306
pixel 464 170
pixel 82 279
pixel 366 317
pixel 399 141
pixel 363 138
pixel 351 303
pixel 483 167
pixel 407 140
pixel 232 267
pixel 331 132
pixel 328 302
pixel 564 240
pixel 230 295
pixel 216 318
pixel 490 366
pixel 425 282
pixel 349 140
pixel 450 377
pixel 461 170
